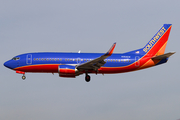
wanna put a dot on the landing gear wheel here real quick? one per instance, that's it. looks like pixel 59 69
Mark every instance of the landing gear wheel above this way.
pixel 87 78
pixel 23 77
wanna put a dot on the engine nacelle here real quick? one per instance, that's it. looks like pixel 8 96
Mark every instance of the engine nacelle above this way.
pixel 67 71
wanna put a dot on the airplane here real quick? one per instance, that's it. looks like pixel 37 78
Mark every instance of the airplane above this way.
pixel 71 65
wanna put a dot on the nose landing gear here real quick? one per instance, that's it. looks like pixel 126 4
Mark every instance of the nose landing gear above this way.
pixel 21 72
pixel 23 77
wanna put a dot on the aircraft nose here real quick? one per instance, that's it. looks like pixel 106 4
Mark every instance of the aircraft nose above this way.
pixel 8 64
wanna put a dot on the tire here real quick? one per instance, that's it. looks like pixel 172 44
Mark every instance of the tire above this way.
pixel 87 78
pixel 23 77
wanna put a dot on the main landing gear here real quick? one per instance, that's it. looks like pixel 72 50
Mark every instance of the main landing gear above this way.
pixel 87 78
pixel 23 77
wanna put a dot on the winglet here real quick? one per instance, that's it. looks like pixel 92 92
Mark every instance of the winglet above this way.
pixel 109 53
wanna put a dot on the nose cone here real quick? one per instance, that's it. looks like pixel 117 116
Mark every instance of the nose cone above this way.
pixel 8 64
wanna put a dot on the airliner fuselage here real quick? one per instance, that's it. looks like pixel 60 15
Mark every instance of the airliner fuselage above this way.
pixel 74 64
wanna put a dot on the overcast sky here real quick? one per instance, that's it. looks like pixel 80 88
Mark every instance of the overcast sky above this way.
pixel 89 26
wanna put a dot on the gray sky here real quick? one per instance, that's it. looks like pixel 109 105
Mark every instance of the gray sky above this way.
pixel 89 26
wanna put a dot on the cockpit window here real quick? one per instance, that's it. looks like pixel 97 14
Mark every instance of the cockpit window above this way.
pixel 15 58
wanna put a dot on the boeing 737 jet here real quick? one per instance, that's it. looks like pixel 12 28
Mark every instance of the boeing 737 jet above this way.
pixel 75 64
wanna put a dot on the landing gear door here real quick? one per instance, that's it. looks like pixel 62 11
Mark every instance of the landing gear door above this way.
pixel 29 59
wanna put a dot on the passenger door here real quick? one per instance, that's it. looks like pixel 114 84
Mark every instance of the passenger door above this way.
pixel 29 59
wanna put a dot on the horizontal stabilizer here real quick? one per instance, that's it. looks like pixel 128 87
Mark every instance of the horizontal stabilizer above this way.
pixel 164 56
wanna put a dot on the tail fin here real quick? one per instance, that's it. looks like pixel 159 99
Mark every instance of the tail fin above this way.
pixel 156 46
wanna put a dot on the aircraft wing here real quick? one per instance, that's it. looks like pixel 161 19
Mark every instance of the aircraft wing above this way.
pixel 95 64
pixel 164 56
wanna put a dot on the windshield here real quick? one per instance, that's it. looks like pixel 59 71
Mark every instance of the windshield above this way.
pixel 15 58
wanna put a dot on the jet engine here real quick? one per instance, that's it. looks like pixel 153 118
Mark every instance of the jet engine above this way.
pixel 67 71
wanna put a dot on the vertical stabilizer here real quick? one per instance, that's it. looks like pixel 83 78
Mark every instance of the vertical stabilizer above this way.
pixel 157 45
